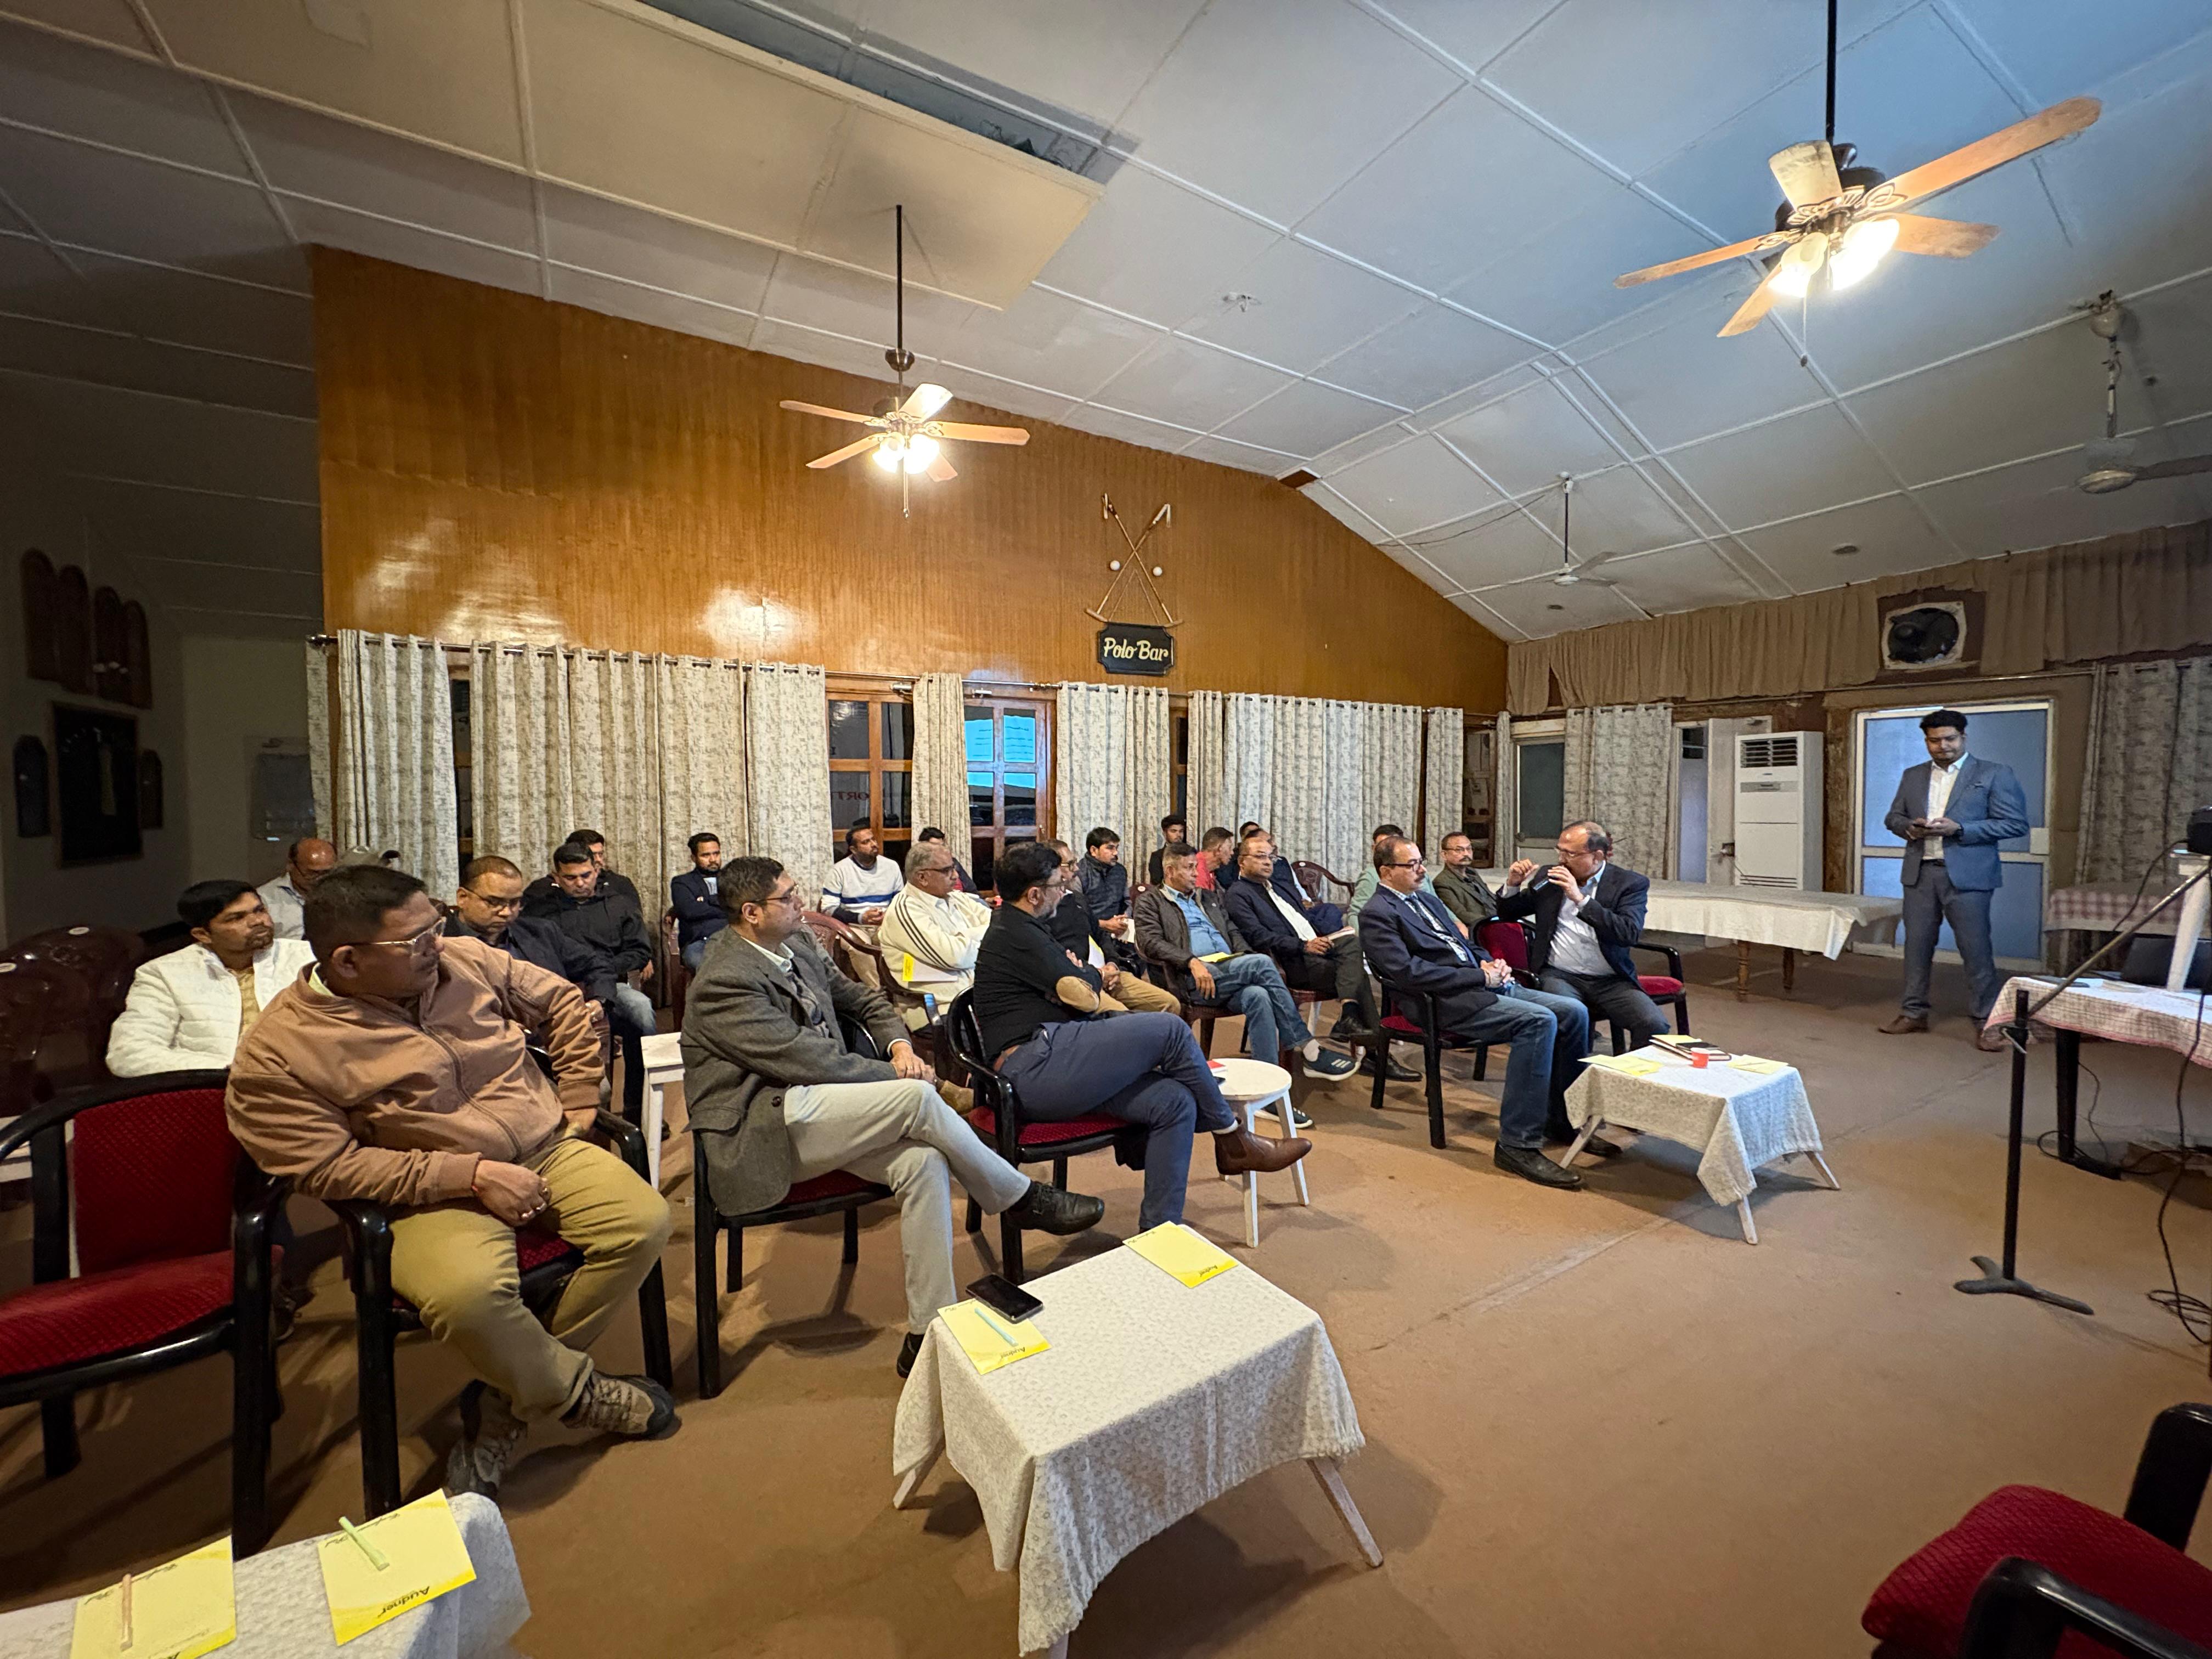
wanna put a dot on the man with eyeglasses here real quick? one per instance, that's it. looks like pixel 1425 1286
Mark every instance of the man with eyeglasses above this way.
pixel 394 1070
pixel 777 1096
pixel 1079 935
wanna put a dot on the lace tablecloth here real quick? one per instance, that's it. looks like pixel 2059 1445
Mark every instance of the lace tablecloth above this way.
pixel 2147 1014
pixel 1829 923
pixel 1153 1399
pixel 1739 1120
pixel 284 1614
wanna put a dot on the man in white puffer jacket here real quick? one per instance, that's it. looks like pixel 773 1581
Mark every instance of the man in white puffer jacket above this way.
pixel 187 1010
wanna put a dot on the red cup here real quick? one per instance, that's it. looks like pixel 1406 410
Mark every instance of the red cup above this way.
pixel 1697 1058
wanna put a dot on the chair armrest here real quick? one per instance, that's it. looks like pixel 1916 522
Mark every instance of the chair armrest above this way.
pixel 1673 957
pixel 2170 1474
pixel 368 1228
pixel 627 1140
pixel 2022 1611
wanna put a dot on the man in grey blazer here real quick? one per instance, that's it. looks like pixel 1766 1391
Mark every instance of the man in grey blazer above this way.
pixel 1951 813
pixel 778 1097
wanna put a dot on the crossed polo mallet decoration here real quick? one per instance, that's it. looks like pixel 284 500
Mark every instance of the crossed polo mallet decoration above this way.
pixel 1165 515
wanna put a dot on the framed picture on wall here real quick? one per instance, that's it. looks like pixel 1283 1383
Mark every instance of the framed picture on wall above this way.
pixel 96 780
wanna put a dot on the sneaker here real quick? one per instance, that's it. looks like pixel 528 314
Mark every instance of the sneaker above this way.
pixel 1328 1063
pixel 491 1436
pixel 635 1406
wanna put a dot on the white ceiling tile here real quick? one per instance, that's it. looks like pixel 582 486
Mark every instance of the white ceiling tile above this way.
pixel 1358 449
pixel 1275 103
pixel 112 20
pixel 1084 57
pixel 1129 428
pixel 189 309
pixel 1245 457
pixel 120 360
pixel 87 92
pixel 1505 548
pixel 1680 579
pixel 1346 513
pixel 33 282
pixel 621 241
pixel 2045 391
pixel 839 301
pixel 1305 418
pixel 168 440
pixel 2037 504
pixel 1006 396
pixel 2120 182
pixel 653 306
pixel 1793 465
pixel 1621 511
pixel 1155 250
pixel 1890 535
pixel 1049 340
pixel 2170 344
pixel 1683 383
pixel 1190 385
pixel 1539 608
pixel 226 588
pixel 1558 283
pixel 1429 208
pixel 809 345
pixel 1483 393
pixel 1489 619
pixel 308 154
pixel 406 245
pixel 1433 353
pixel 1472 31
pixel 1413 564
pixel 1417 485
pixel 1303 305
pixel 2044 44
pixel 1527 440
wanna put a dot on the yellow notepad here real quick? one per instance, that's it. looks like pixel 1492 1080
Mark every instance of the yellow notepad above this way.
pixel 990 1340
pixel 1174 1249
pixel 181 1608
pixel 1754 1064
pixel 1626 1065
pixel 423 1558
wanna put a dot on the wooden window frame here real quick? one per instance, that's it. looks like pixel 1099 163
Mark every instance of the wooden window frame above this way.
pixel 895 843
pixel 1001 703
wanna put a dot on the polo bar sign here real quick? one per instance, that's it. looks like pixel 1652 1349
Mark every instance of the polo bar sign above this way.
pixel 1125 648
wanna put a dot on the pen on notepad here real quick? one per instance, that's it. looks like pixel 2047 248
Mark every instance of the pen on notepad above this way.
pixel 1012 1340
pixel 376 1555
pixel 122 1615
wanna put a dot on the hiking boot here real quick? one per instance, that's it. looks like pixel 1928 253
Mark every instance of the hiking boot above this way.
pixel 491 1436
pixel 633 1406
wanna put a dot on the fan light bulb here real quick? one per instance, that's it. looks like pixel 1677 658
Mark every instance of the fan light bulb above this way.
pixel 1864 245
pixel 921 452
pixel 1795 274
pixel 890 451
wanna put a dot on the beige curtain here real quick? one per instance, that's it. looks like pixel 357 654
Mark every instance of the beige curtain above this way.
pixel 1443 778
pixel 2148 590
pixel 1205 783
pixel 1391 765
pixel 1619 771
pixel 318 666
pixel 1297 765
pixel 1114 765
pixel 393 775
pixel 940 757
pixel 699 719
pixel 2149 763
pixel 520 760
pixel 788 768
pixel 1505 805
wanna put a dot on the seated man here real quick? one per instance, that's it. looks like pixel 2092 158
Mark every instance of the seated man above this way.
pixel 693 897
pixel 187 1010
pixel 1173 830
pixel 779 1098
pixel 1461 886
pixel 487 908
pixel 394 1071
pixel 1184 927
pixel 1078 933
pixel 1411 941
pixel 610 931
pixel 306 862
pixel 1326 917
pixel 863 882
pixel 1030 1001
pixel 1310 959
pixel 1217 860
pixel 618 887
pixel 965 882
pixel 1588 911
pixel 931 931
pixel 1363 889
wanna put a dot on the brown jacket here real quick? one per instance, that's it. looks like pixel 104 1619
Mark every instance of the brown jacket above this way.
pixel 352 1098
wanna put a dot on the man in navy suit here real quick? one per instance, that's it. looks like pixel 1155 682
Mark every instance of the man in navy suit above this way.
pixel 1411 942
pixel 1951 813
pixel 1588 911
pixel 693 897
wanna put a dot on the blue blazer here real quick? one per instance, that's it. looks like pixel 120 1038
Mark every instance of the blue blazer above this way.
pixel 1615 916
pixel 1253 915
pixel 698 912
pixel 1987 804
pixel 1409 954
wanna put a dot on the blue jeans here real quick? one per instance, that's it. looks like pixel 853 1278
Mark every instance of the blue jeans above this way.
pixel 1143 1068
pixel 691 953
pixel 1253 986
pixel 1546 1037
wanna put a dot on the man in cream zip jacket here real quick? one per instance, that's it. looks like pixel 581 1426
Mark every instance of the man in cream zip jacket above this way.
pixel 187 1010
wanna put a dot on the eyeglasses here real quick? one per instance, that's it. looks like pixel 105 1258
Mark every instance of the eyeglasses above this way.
pixel 497 907
pixel 790 898
pixel 1408 864
pixel 421 944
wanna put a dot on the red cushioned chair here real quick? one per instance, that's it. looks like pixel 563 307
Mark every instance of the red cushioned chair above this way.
pixel 998 1119
pixel 174 1263
pixel 2025 1567
pixel 547 1262
pixel 1668 989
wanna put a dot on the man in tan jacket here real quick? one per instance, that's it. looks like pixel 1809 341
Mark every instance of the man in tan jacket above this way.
pixel 394 1070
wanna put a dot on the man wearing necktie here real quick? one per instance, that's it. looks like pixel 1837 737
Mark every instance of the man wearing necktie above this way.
pixel 1412 945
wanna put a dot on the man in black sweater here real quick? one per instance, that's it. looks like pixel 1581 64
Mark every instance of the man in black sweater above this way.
pixel 612 932
pixel 1042 1031
pixel 1077 930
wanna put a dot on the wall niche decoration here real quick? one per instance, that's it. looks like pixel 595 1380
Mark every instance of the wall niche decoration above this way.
pixel 110 677
pixel 93 642
pixel 149 790
pixel 33 799
pixel 96 783
pixel 41 617
pixel 73 630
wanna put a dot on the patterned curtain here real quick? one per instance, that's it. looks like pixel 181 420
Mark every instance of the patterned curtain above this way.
pixel 940 757
pixel 2149 763
pixel 319 736
pixel 1115 768
pixel 1342 786
pixel 699 716
pixel 787 767
pixel 392 778
pixel 615 746
pixel 521 770
pixel 1205 790
pixel 1248 759
pixel 1444 780
pixel 1506 803
pixel 1391 771
pixel 1620 771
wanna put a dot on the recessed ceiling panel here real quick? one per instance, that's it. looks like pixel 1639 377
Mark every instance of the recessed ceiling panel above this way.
pixel 1296 306
pixel 618 239
pixel 1527 440
pixel 1558 284
pixel 1047 340
pixel 1156 250
pixel 974 387
pixel 1245 457
pixel 406 245
pixel 138 365
pixel 1891 537
pixel 684 315
pixel 167 304
pixel 1417 485
pixel 1538 608
pixel 1129 428
pixel 1682 383
pixel 854 302
pixel 2127 183
pixel 164 440
pixel 1796 464
pixel 1431 355
pixel 1191 385
pixel 2170 345
pixel 1305 418
pixel 2056 52
pixel 1076 54
pixel 33 282
pixel 808 345
pixel 87 92
pixel 270 535
pixel 111 21
pixel 2045 391
pixel 1621 511
pixel 1680 579
pixel 1505 548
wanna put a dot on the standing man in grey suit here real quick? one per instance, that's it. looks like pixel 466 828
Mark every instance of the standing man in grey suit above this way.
pixel 1951 813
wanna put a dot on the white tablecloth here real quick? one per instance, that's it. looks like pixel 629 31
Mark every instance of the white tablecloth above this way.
pixel 2147 1014
pixel 1826 922
pixel 284 1614
pixel 1153 1399
pixel 1739 1120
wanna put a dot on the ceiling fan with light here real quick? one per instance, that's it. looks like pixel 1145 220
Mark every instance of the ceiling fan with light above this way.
pixel 2111 460
pixel 906 436
pixel 1846 218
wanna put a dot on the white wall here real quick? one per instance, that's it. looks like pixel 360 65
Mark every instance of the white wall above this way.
pixel 244 694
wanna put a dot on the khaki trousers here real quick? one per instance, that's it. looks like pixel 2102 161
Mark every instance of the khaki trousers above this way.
pixel 456 1263
pixel 1141 996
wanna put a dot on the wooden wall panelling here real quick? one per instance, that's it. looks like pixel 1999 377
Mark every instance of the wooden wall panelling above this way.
pixel 494 466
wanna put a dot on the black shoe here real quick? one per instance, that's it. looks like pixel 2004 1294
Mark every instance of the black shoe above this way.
pixel 1046 1209
pixel 284 1304
pixel 1530 1164
pixel 1596 1148
pixel 910 1350
pixel 1391 1069
pixel 1348 1026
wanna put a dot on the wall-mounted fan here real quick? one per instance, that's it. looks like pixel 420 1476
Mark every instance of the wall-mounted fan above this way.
pixel 2109 462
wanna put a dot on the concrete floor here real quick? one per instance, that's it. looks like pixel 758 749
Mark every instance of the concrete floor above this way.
pixel 1597 1422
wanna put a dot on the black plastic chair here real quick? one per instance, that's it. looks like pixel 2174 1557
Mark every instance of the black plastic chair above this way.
pixel 173 1225
pixel 547 1263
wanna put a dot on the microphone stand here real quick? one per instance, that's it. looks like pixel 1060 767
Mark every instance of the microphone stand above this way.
pixel 2002 1279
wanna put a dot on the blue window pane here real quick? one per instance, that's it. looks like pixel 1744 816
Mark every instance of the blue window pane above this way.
pixel 2014 737
pixel 977 731
pixel 2015 909
pixel 1021 739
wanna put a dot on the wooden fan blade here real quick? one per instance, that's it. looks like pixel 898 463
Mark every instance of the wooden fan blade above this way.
pixel 2047 127
pixel 857 447
pixel 1734 249
pixel 942 470
pixel 1806 172
pixel 1810 252
pixel 1949 238
pixel 979 435
pixel 834 414
pixel 2182 468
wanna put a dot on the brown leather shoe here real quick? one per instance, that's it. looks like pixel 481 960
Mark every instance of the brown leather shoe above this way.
pixel 1236 1150
pixel 1903 1024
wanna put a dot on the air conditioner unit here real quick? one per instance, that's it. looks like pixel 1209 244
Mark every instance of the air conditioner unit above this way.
pixel 1777 810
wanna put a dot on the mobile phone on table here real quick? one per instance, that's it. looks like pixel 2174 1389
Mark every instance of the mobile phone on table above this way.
pixel 1003 1296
